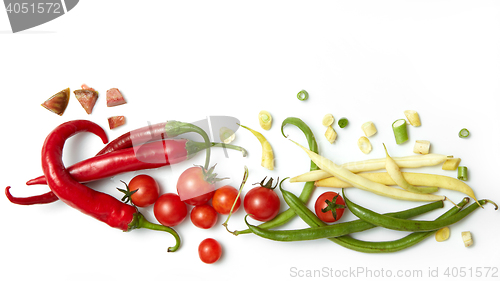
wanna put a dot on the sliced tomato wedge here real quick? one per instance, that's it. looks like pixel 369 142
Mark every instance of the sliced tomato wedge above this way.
pixel 87 98
pixel 116 121
pixel 114 97
pixel 58 102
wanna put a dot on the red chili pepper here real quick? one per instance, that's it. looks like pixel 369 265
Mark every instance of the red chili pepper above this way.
pixel 155 132
pixel 147 156
pixel 140 136
pixel 91 202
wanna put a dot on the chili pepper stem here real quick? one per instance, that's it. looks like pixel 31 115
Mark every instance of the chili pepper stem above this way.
pixel 176 128
pixel 245 177
pixel 194 147
pixel 141 222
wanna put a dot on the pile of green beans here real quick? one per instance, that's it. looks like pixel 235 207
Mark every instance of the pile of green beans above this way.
pixel 349 242
pixel 327 231
pixel 408 225
pixel 339 232
pixel 308 189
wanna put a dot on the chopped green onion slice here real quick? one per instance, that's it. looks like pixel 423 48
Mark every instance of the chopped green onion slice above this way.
pixel 400 133
pixel 462 173
pixel 303 95
pixel 464 133
pixel 343 122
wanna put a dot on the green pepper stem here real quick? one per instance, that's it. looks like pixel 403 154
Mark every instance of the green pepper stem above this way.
pixel 175 128
pixel 141 222
pixel 193 147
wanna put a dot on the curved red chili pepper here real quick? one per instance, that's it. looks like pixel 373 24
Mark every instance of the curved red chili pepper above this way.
pixel 91 202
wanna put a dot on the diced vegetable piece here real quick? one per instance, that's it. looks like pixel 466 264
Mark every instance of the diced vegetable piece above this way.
pixel 116 121
pixel 114 97
pixel 343 122
pixel 400 133
pixel 328 120
pixel 443 234
pixel 364 145
pixel 463 133
pixel 265 120
pixel 226 135
pixel 462 173
pixel 369 128
pixel 451 164
pixel 330 134
pixel 58 102
pixel 422 147
pixel 87 98
pixel 303 95
pixel 413 118
pixel 467 238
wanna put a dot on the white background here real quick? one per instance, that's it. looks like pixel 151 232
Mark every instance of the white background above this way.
pixel 364 60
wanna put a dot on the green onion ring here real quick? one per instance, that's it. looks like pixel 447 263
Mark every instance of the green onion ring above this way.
pixel 303 95
pixel 464 133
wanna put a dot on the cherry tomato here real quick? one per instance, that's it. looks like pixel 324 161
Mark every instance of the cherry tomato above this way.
pixel 169 210
pixel 261 202
pixel 193 187
pixel 209 250
pixel 224 198
pixel 204 216
pixel 147 192
pixel 329 206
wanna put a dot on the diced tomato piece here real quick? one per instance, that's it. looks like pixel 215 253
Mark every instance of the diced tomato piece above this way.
pixel 114 97
pixel 87 98
pixel 58 102
pixel 116 121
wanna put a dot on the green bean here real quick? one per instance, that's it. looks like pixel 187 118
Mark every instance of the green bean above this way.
pixel 308 189
pixel 396 245
pixel 406 224
pixel 326 231
pixel 364 246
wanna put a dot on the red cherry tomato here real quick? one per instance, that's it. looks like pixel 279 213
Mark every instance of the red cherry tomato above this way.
pixel 328 204
pixel 224 198
pixel 147 192
pixel 193 187
pixel 204 216
pixel 209 250
pixel 169 210
pixel 261 202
